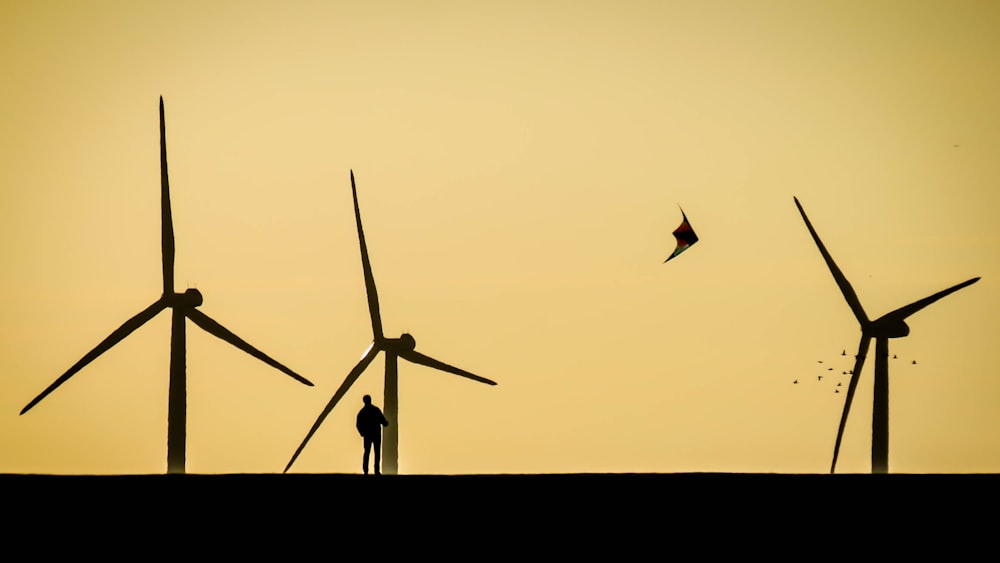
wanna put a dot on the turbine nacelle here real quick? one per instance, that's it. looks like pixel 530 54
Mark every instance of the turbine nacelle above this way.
pixel 889 328
pixel 189 299
pixel 405 343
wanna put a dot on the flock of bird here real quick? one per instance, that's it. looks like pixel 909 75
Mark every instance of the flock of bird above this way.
pixel 849 371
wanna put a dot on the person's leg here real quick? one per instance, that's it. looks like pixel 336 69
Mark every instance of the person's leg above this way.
pixel 368 449
pixel 378 455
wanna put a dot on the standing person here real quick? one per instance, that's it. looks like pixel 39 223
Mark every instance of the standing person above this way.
pixel 370 423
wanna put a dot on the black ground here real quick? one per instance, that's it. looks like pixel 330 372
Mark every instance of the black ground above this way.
pixel 711 513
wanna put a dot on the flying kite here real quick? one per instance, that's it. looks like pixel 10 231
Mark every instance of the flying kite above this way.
pixel 685 237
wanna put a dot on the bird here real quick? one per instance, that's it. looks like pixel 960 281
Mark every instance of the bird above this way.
pixel 819 378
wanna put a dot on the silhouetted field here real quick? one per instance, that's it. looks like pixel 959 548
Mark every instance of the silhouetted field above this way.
pixel 335 506
pixel 576 517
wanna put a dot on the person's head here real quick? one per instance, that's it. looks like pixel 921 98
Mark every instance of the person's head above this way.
pixel 367 399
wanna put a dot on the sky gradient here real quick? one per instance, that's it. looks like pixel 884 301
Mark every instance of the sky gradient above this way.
pixel 520 167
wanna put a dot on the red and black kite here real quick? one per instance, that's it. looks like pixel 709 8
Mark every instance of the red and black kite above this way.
pixel 685 237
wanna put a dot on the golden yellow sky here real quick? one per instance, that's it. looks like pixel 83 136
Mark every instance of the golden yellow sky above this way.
pixel 519 169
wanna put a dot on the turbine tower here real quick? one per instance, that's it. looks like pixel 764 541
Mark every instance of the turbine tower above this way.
pixel 402 347
pixel 890 325
pixel 184 305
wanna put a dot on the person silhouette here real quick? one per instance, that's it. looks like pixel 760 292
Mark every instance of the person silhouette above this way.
pixel 370 422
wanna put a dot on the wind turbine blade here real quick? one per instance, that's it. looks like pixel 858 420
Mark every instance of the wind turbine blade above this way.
pixel 214 328
pixel 351 378
pixel 418 358
pixel 366 265
pixel 166 219
pixel 908 310
pixel 855 375
pixel 845 286
pixel 114 338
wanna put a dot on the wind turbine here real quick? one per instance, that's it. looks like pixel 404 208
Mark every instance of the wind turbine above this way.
pixel 890 325
pixel 402 347
pixel 184 305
